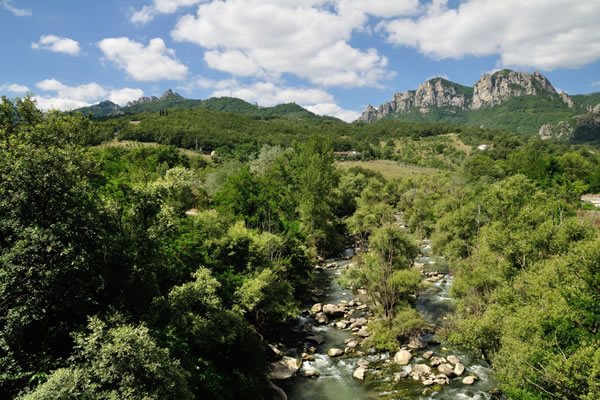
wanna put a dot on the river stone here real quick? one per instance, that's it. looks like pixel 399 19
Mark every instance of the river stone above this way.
pixel 283 369
pixel 317 339
pixel 453 360
pixel 427 355
pixel 446 369
pixel 416 342
pixel 331 310
pixel 428 382
pixel 322 319
pixel 359 373
pixel 362 362
pixel 442 380
pixel 459 369
pixel 310 373
pixel 341 325
pixel 333 352
pixel 400 375
pixel 469 380
pixel 402 357
pixel 359 323
pixel 363 333
pixel 421 370
pixel 352 344
pixel 435 361
pixel 316 308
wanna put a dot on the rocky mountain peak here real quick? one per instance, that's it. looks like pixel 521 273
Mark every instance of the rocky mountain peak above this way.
pixel 435 92
pixel 142 100
pixel 494 89
pixel 169 93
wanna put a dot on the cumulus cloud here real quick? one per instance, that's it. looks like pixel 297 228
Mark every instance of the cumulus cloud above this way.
pixel 148 12
pixel 518 31
pixel 124 96
pixel 306 38
pixel 64 97
pixel 144 63
pixel 334 110
pixel 10 6
pixel 268 94
pixel 57 44
pixel 14 88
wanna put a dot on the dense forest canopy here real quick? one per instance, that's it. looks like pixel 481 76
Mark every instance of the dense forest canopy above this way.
pixel 150 272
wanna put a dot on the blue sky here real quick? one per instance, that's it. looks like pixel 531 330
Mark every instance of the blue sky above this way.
pixel 331 56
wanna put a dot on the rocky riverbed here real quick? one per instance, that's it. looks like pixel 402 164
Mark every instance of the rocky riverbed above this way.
pixel 326 358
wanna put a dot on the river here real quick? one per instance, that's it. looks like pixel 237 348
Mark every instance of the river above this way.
pixel 336 381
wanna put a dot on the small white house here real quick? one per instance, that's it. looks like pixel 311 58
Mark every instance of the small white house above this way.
pixel 483 147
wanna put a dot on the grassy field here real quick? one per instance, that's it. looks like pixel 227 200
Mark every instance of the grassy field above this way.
pixel 389 169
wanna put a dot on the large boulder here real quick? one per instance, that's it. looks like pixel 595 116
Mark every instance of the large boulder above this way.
pixel 469 380
pixel 416 342
pixel 334 352
pixel 362 332
pixel 316 308
pixel 402 357
pixel 453 360
pixel 331 310
pixel 359 373
pixel 421 370
pixel 459 369
pixel 283 369
pixel 310 373
pixel 359 323
pixel 446 369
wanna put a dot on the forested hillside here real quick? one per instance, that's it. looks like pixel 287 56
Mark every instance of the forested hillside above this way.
pixel 148 272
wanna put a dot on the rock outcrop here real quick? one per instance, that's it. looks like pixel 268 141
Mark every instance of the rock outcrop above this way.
pixel 436 92
pixel 489 91
pixel 496 88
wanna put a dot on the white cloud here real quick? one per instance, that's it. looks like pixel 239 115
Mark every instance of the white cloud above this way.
pixel 10 6
pixel 151 63
pixel 266 94
pixel 64 97
pixel 14 88
pixel 518 31
pixel 148 12
pixel 57 44
pixel 124 96
pixel 306 38
pixel 334 110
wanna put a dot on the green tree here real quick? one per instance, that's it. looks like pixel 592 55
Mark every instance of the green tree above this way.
pixel 123 362
pixel 386 269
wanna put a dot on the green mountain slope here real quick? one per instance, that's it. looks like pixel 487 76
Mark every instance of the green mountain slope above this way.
pixel 173 101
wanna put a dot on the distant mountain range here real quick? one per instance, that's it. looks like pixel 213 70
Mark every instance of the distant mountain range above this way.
pixel 509 100
pixel 171 100
pixel 506 99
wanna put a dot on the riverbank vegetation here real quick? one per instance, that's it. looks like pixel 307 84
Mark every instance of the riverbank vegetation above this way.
pixel 148 272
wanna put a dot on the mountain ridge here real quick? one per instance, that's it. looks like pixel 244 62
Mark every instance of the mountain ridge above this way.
pixel 495 100
pixel 173 100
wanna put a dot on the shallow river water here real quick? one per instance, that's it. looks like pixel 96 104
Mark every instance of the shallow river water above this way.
pixel 336 381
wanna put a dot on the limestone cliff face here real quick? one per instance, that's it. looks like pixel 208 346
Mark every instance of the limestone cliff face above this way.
pixel 435 92
pixel 493 89
pixel 490 90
